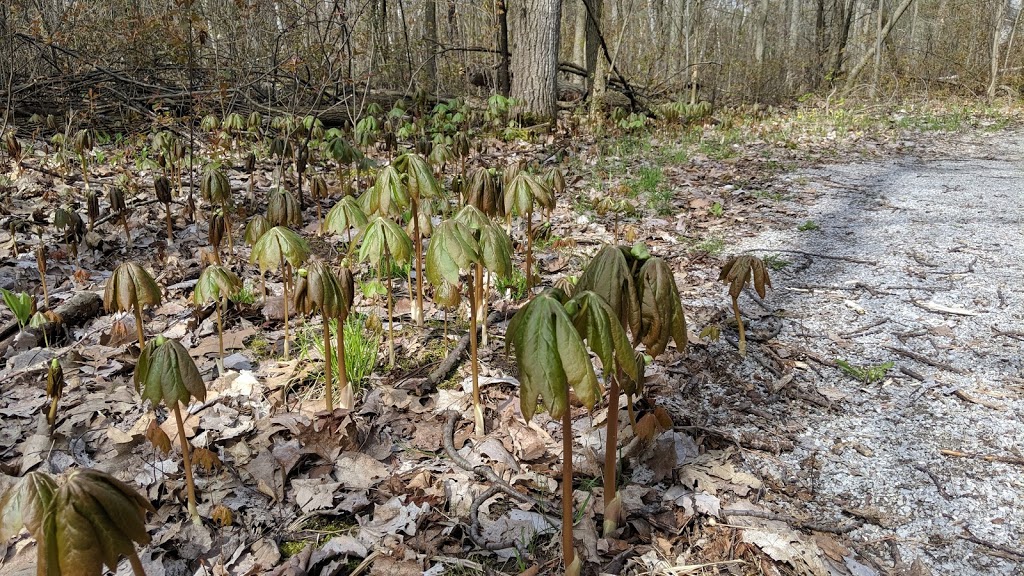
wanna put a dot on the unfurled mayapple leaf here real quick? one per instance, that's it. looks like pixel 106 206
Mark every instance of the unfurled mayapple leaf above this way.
pixel 737 272
pixel 254 230
pixel 166 373
pixel 599 327
pixel 388 196
pixel 382 236
pixel 452 249
pixel 283 209
pixel 129 287
pixel 344 216
pixel 524 191
pixel 278 246
pixel 472 217
pixel 495 250
pixel 610 275
pixel 88 522
pixel 214 186
pixel 551 357
pixel 661 316
pixel 214 283
pixel 447 296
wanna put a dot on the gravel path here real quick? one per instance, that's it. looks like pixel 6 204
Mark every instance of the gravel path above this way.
pixel 919 262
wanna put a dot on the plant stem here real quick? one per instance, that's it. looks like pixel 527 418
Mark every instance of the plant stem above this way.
pixel 227 228
pixel 568 552
pixel 138 324
pixel 418 246
pixel 137 568
pixel 611 506
pixel 344 395
pixel 529 252
pixel 220 332
pixel 286 269
pixel 478 310
pixel 170 228
pixel 739 324
pixel 391 327
pixel 478 410
pixel 187 462
pixel 328 385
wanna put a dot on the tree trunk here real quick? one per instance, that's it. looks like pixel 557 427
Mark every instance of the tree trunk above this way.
pixel 594 9
pixel 579 41
pixel 844 37
pixel 877 72
pixel 430 40
pixel 869 57
pixel 997 36
pixel 534 64
pixel 504 73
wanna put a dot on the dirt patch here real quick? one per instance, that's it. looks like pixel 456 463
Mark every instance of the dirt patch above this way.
pixel 916 262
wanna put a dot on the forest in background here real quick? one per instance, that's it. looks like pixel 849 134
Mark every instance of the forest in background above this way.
pixel 127 59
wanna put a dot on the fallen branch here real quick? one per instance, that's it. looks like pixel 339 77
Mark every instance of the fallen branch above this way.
pixel 1016 460
pixel 816 255
pixel 925 360
pixel 1015 554
pixel 427 383
pixel 934 479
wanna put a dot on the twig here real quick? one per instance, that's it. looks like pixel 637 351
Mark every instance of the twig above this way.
pixel 816 255
pixel 934 479
pixel 863 329
pixel 926 360
pixel 812 526
pixel 1016 460
pixel 1016 554
pixel 486 472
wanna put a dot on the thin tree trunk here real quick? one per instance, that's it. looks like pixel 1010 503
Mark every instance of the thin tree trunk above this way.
pixel 504 65
pixel 430 40
pixel 877 73
pixel 996 37
pixel 867 58
pixel 594 9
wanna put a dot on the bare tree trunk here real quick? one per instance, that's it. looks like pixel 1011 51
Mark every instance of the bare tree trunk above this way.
pixel 534 63
pixel 504 73
pixel 997 36
pixel 876 75
pixel 844 37
pixel 869 56
pixel 579 40
pixel 430 40
pixel 1013 35
pixel 594 9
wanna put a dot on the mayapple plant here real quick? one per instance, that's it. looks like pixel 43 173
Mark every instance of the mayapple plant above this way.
pixel 254 230
pixel 522 195
pixel 217 284
pixel 162 187
pixel 119 206
pixel 320 289
pixel 166 373
pixel 54 389
pixel 737 273
pixel 383 242
pixel 345 216
pixel 88 521
pixel 283 209
pixel 281 248
pixel 82 143
pixel 216 189
pixel 41 268
pixel 553 360
pixel 131 287
pixel 640 293
pixel 421 186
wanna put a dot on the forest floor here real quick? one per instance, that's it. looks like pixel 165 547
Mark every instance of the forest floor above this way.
pixel 873 427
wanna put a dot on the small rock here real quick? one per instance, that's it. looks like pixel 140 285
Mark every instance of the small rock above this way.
pixel 238 362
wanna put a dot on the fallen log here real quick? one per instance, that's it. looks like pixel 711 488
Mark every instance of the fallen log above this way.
pixel 75 311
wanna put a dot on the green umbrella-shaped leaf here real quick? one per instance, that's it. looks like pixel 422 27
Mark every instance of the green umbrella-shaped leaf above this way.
pixel 447 296
pixel 599 326
pixel 25 504
pixel 382 236
pixel 420 179
pixel 551 357
pixel 257 226
pixel 472 216
pixel 283 209
pixel 277 246
pixel 452 248
pixel 483 191
pixel 661 312
pixel 524 191
pixel 167 373
pixel 129 285
pixel 215 282
pixel 388 196
pixel 609 274
pixel 345 215
pixel 339 148
pixel 495 250
pixel 214 186
pixel 318 289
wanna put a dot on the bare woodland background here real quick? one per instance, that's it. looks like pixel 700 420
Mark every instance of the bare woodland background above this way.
pixel 127 57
